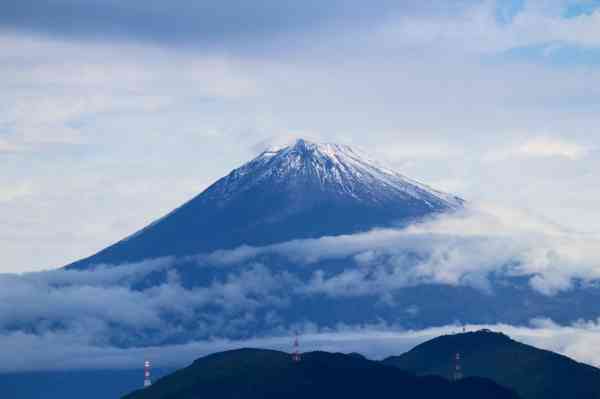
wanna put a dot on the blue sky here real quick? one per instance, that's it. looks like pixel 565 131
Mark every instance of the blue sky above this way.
pixel 112 113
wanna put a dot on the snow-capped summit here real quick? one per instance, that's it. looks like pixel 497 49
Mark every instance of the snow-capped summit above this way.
pixel 336 169
pixel 305 190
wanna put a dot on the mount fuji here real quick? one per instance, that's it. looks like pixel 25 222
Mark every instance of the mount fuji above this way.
pixel 315 235
pixel 306 190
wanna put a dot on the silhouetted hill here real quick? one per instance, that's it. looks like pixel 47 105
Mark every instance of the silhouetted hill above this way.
pixel 265 374
pixel 533 373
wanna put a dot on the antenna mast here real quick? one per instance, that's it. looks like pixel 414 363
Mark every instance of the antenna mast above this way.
pixel 296 354
pixel 147 381
pixel 458 374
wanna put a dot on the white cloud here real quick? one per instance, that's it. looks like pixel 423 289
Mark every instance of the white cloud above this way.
pixel 546 147
pixel 541 147
pixel 462 249
pixel 476 28
pixel 51 100
pixel 111 306
pixel 103 307
pixel 51 351
pixel 16 191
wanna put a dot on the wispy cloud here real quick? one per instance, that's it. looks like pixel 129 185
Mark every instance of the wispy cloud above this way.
pixel 543 147
pixel 482 27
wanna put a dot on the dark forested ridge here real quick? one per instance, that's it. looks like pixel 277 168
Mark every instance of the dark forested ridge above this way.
pixel 266 374
pixel 532 372
pixel 494 366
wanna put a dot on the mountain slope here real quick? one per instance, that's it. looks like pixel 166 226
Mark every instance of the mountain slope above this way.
pixel 532 372
pixel 306 190
pixel 265 374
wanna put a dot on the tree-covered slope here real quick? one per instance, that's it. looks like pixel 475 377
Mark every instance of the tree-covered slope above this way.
pixel 265 374
pixel 533 373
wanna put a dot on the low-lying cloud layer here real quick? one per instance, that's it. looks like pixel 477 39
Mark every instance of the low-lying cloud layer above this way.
pixel 109 316
pixel 461 249
pixel 68 351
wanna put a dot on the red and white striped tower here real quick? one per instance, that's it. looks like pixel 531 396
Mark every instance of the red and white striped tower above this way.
pixel 296 353
pixel 147 381
pixel 457 368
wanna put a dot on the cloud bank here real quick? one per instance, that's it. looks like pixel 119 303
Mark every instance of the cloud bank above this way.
pixel 65 351
pixel 461 249
pixel 112 314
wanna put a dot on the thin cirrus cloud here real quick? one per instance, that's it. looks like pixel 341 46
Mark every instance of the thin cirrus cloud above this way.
pixel 543 147
pixel 494 27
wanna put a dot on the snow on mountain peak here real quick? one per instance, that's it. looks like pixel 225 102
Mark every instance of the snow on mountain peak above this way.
pixel 341 169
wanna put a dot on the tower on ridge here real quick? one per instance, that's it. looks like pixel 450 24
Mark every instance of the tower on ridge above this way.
pixel 458 374
pixel 147 381
pixel 296 354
